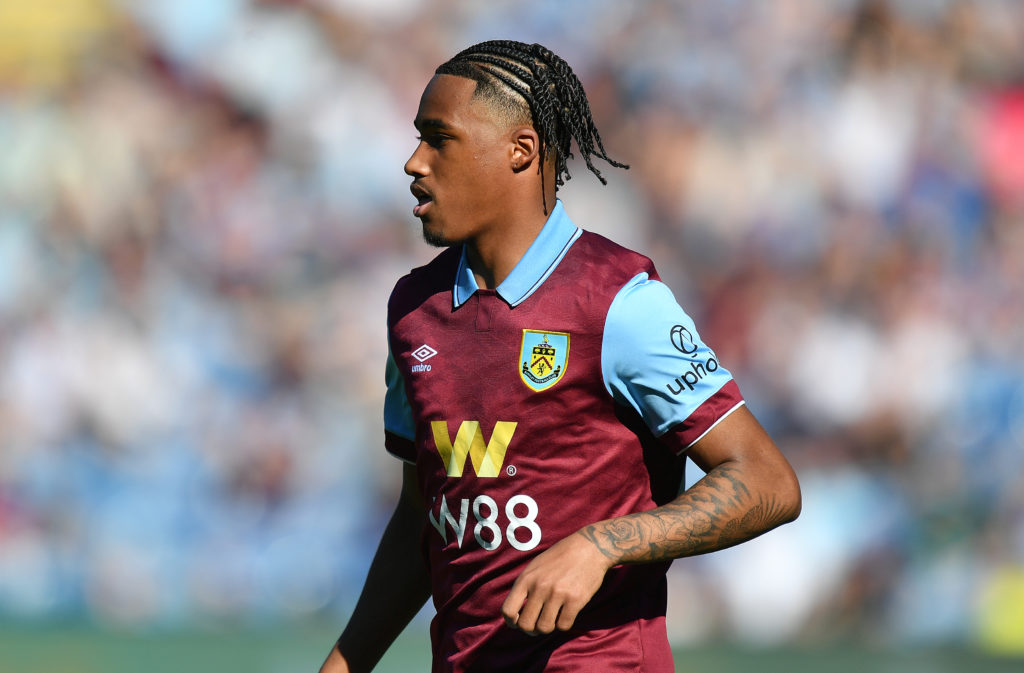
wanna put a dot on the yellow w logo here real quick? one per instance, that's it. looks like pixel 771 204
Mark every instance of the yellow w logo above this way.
pixel 487 457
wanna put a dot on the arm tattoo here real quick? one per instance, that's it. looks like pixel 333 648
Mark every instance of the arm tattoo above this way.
pixel 717 512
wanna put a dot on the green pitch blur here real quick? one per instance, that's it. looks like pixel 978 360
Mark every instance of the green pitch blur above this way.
pixel 293 649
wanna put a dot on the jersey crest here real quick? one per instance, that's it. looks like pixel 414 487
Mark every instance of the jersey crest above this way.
pixel 543 357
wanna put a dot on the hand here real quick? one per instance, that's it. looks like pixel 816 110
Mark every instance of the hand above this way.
pixel 555 586
pixel 335 663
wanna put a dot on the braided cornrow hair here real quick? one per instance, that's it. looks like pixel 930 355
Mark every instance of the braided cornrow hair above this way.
pixel 510 73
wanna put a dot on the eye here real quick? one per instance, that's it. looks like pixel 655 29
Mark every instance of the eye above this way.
pixel 435 140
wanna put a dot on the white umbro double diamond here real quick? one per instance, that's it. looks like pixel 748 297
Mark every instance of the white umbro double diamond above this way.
pixel 424 352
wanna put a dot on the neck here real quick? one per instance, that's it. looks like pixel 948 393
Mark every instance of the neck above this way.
pixel 497 249
pixel 494 254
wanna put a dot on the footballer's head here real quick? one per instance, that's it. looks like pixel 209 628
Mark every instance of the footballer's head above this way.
pixel 496 123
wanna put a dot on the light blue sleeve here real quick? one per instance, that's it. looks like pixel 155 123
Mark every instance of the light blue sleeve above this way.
pixel 397 412
pixel 652 357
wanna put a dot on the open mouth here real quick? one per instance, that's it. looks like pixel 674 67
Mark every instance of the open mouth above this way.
pixel 423 200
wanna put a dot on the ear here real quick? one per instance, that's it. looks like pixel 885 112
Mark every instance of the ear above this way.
pixel 525 148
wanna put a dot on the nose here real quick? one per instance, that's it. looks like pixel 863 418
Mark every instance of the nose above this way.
pixel 416 166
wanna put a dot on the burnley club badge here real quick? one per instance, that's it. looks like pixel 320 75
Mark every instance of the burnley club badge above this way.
pixel 544 356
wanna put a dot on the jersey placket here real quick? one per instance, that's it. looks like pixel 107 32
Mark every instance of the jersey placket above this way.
pixel 486 304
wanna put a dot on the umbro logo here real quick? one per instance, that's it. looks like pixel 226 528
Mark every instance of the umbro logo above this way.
pixel 424 352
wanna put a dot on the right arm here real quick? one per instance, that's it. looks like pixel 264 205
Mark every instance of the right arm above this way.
pixel 397 586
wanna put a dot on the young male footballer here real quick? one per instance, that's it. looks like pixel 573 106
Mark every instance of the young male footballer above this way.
pixel 543 390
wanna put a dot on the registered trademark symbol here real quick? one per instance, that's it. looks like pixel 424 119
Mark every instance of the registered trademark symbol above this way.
pixel 511 470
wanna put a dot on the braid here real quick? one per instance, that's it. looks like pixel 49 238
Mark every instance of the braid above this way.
pixel 510 73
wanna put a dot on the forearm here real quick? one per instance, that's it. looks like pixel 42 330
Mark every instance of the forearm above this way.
pixel 396 587
pixel 749 488
pixel 723 509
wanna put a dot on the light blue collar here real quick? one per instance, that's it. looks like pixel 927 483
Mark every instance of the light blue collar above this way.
pixel 540 259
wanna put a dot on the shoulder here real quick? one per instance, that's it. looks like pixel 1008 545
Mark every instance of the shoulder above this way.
pixel 597 245
pixel 441 269
pixel 424 282
pixel 595 259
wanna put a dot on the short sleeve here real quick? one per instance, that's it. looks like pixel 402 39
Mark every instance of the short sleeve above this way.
pixel 399 427
pixel 654 361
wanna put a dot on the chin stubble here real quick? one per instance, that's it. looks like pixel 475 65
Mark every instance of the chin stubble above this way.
pixel 435 240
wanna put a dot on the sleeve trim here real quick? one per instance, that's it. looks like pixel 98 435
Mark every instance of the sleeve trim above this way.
pixel 400 447
pixel 710 413
pixel 722 418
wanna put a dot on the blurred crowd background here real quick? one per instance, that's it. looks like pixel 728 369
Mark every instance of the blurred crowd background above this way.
pixel 203 211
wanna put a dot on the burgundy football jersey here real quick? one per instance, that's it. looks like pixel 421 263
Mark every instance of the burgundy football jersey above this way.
pixel 519 442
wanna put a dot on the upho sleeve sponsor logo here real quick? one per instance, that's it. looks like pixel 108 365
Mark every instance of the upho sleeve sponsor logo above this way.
pixel 684 342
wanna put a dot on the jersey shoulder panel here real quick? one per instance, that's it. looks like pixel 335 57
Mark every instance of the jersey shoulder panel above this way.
pixel 419 285
pixel 411 292
pixel 609 255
